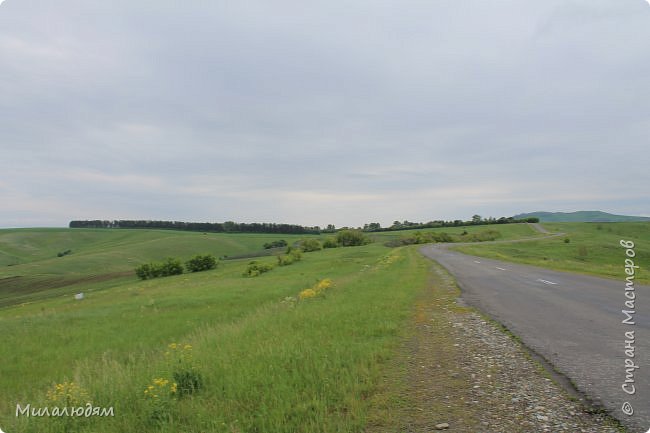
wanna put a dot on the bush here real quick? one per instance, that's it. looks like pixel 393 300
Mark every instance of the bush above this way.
pixel 309 245
pixel 275 244
pixel 351 238
pixel 330 243
pixel 169 267
pixel 200 263
pixel 293 255
pixel 144 272
pixel 255 268
pixel 64 253
pixel 567 240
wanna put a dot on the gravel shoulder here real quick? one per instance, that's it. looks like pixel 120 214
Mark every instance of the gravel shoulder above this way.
pixel 460 372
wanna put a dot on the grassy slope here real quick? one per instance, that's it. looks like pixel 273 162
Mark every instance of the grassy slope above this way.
pixel 268 365
pixel 580 216
pixel 593 249
pixel 507 231
pixel 31 270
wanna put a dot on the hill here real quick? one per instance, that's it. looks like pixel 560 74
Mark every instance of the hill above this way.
pixel 37 263
pixel 580 216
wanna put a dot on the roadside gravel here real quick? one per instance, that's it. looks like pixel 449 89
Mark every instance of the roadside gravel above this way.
pixel 464 373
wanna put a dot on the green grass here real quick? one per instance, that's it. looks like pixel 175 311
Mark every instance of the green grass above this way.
pixel 100 258
pixel 268 365
pixel 593 248
pixel 507 232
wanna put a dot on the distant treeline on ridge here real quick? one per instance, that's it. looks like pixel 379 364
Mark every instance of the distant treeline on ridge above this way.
pixel 233 227
pixel 226 227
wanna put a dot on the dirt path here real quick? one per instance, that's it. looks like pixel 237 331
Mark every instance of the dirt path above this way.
pixel 539 228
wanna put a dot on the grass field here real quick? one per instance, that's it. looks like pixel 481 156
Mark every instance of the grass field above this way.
pixel 593 248
pixel 31 270
pixel 506 231
pixel 268 362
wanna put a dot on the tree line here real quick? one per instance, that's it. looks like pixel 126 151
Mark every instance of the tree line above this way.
pixel 234 227
pixel 475 221
pixel 225 227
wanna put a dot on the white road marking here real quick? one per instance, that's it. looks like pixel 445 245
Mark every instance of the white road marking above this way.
pixel 476 261
pixel 501 269
pixel 547 282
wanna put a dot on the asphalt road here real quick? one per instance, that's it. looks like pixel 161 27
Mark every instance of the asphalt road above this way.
pixel 573 321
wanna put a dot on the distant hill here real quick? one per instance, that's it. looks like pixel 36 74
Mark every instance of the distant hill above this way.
pixel 580 216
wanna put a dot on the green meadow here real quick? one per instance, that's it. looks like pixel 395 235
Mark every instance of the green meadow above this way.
pixel 30 268
pixel 506 232
pixel 216 351
pixel 592 248
pixel 267 360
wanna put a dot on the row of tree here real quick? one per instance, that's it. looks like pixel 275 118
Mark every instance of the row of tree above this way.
pixel 225 227
pixel 234 227
pixel 475 221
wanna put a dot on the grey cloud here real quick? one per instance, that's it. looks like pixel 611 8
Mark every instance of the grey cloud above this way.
pixel 293 111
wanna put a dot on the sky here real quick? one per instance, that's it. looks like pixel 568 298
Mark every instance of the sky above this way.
pixel 322 112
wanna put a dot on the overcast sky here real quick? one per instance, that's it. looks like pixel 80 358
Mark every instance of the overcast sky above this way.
pixel 322 112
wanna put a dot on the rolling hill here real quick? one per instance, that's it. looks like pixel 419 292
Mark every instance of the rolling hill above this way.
pixel 581 216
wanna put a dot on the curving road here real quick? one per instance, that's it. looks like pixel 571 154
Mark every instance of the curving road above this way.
pixel 572 320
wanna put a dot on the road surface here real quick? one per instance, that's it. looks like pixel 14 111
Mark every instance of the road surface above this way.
pixel 573 321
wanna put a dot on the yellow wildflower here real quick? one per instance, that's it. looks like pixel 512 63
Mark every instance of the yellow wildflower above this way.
pixel 307 293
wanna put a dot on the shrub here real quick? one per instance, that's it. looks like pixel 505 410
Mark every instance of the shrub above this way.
pixel 200 263
pixel 309 245
pixel 275 244
pixel 351 238
pixel 285 260
pixel 255 268
pixel 169 267
pixel 147 271
pixel 64 253
pixel 293 255
pixel 567 240
pixel 330 243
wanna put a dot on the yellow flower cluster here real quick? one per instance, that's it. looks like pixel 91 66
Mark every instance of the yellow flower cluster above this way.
pixel 160 387
pixel 69 393
pixel 307 293
pixel 181 352
pixel 316 289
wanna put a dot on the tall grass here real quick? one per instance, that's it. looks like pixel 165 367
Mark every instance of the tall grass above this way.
pixel 269 363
